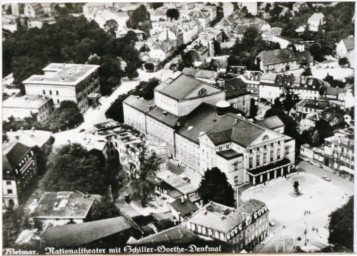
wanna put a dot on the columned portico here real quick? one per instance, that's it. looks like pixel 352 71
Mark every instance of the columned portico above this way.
pixel 265 173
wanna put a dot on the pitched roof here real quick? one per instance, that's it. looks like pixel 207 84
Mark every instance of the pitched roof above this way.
pixel 164 117
pixel 184 208
pixel 176 182
pixel 207 74
pixel 276 56
pixel 235 87
pixel 349 43
pixel 179 87
pixel 271 122
pixel 175 235
pixel 189 71
pixel 72 235
pixel 204 119
pixel 15 153
pixel 138 103
pixel 284 55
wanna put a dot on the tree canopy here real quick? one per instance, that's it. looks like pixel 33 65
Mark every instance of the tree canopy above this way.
pixel 103 210
pixel 215 187
pixel 140 19
pixel 71 168
pixel 173 14
pixel 144 184
pixel 69 40
pixel 341 225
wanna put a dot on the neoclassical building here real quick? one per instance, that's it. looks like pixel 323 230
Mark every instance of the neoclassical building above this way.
pixel 194 121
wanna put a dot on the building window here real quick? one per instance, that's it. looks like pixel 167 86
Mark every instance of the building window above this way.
pixel 236 180
pixel 44 92
pixel 8 182
pixel 251 162
pixel 58 101
pixel 9 191
pixel 56 92
pixel 265 158
pixel 50 92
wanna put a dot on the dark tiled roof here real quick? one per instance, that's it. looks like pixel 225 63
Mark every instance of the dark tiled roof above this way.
pixel 251 206
pixel 16 154
pixel 302 57
pixel 204 119
pixel 140 104
pixel 72 235
pixel 349 43
pixel 163 117
pixel 175 235
pixel 271 122
pixel 276 56
pixel 180 87
pixel 284 55
pixel 189 71
pixel 184 208
pixel 244 133
pixel 229 154
pixel 235 87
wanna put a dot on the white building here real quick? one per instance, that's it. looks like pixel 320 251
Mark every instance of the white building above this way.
pixel 27 106
pixel 315 21
pixel 63 81
pixel 345 46
pixel 193 120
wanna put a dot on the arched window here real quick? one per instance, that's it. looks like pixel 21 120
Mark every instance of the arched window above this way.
pixel 266 137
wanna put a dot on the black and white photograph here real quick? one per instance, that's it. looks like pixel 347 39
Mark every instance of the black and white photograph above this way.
pixel 177 127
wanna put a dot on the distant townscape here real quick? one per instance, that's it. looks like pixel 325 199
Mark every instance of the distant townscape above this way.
pixel 178 127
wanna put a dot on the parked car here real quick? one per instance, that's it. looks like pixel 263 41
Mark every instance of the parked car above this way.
pixel 325 177
pixel 272 223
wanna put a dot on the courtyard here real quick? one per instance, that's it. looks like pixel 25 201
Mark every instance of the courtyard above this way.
pixel 297 220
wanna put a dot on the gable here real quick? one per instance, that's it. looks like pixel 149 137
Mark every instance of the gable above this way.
pixel 202 90
pixel 264 137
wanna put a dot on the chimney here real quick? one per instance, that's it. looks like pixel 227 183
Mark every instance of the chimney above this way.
pixel 222 108
pixel 182 199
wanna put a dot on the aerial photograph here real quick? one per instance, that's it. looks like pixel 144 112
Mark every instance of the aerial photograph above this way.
pixel 177 127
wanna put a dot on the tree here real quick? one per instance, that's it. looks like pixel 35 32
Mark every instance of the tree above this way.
pixel 307 72
pixel 71 168
pixel 67 116
pixel 341 225
pixel 144 183
pixel 215 187
pixel 173 14
pixel 111 26
pixel 116 111
pixel 217 48
pixel 343 61
pixel 140 19
pixel 102 210
pixel 14 220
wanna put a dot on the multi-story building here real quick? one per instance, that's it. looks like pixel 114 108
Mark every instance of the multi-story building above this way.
pixel 306 107
pixel 242 227
pixel 273 85
pixel 19 170
pixel 193 120
pixel 124 146
pixel 63 81
pixel 28 106
pixel 339 152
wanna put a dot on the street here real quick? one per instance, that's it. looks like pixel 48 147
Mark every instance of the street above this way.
pixel 344 184
pixel 97 115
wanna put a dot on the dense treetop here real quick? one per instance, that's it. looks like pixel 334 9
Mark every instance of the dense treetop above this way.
pixel 70 40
